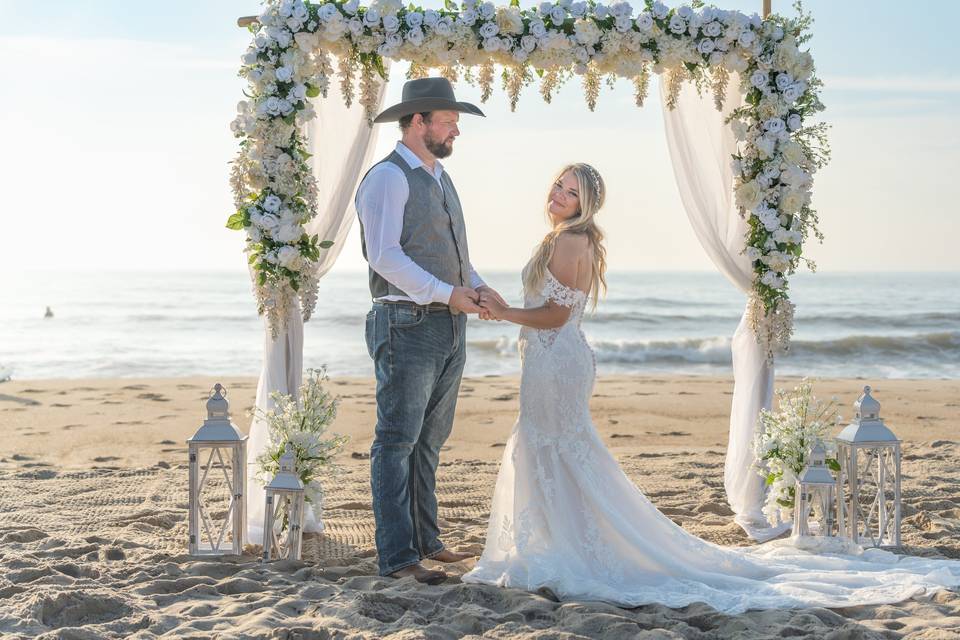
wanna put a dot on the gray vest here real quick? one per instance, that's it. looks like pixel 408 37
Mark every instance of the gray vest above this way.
pixel 433 234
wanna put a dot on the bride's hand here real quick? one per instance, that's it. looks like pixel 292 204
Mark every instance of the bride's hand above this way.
pixel 492 307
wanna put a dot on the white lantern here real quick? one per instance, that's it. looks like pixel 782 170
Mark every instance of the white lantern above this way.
pixel 814 496
pixel 217 450
pixel 868 485
pixel 284 506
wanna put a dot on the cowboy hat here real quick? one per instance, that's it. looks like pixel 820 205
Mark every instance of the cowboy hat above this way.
pixel 426 94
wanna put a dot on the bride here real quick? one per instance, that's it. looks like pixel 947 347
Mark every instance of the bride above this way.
pixel 566 518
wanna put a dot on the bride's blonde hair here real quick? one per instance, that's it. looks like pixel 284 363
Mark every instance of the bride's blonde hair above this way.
pixel 592 192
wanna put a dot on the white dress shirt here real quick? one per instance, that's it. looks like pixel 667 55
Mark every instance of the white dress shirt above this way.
pixel 380 202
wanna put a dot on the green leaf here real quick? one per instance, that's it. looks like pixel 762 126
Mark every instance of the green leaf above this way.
pixel 312 91
pixel 833 465
pixel 450 5
pixel 253 258
pixel 237 221
pixel 514 3
pixel 326 244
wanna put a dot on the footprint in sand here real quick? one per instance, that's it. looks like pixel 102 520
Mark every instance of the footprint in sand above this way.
pixel 105 459
pixel 134 387
pixel 156 397
pixel 360 455
pixel 621 435
pixel 61 405
pixel 504 397
pixel 111 402
pixel 20 458
pixel 166 442
pixel 128 422
pixel 24 401
pixel 498 444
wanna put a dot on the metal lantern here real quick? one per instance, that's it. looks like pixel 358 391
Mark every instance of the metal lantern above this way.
pixel 814 495
pixel 284 506
pixel 868 485
pixel 218 464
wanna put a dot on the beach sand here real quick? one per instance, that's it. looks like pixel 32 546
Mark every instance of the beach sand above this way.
pixel 93 517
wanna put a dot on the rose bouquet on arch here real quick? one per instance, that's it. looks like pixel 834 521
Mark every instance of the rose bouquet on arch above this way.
pixel 302 422
pixel 783 442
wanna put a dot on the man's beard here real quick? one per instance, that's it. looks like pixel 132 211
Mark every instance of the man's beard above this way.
pixel 438 148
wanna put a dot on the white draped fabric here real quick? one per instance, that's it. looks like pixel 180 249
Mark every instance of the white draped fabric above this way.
pixel 701 146
pixel 341 143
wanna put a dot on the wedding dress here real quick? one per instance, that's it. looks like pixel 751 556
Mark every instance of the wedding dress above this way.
pixel 566 517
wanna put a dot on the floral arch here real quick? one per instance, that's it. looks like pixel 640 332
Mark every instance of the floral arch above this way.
pixel 751 69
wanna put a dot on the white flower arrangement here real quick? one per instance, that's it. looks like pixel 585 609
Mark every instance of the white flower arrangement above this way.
pixel 784 440
pixel 303 424
pixel 296 43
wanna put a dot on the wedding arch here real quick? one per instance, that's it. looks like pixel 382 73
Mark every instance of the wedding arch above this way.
pixel 738 96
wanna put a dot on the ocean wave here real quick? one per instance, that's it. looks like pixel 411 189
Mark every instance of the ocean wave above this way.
pixel 716 350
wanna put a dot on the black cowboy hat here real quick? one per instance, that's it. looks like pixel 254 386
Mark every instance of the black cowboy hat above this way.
pixel 426 94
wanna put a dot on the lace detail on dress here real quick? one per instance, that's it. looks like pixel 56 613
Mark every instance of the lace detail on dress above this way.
pixel 565 296
pixel 560 293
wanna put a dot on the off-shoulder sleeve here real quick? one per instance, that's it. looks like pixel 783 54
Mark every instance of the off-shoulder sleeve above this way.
pixel 560 293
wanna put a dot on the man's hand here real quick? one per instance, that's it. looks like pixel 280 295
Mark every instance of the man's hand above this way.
pixel 492 303
pixel 465 299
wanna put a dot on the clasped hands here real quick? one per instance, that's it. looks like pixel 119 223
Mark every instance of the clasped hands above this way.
pixel 483 301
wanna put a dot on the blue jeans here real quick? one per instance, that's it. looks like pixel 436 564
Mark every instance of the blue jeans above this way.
pixel 418 355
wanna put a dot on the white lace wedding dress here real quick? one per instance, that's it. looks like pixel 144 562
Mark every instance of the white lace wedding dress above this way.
pixel 566 517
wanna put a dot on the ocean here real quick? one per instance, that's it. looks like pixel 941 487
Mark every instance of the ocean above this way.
pixel 138 324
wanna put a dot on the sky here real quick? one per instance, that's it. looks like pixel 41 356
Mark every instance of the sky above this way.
pixel 116 121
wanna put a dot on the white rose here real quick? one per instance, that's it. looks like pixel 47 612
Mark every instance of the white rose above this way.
pixel 716 59
pixel 759 79
pixel 791 202
pixel 491 44
pixel 774 125
pixel 677 24
pixel 660 10
pixel 431 18
pixel 713 29
pixel 391 23
pixel 415 37
pixel 288 233
pixel 746 38
pixel 254 234
pixel 545 8
pixel 748 195
pixel 578 9
pixel 644 22
pixel 288 257
pixel 269 222
pixel 685 12
pixel 371 17
pixel 414 19
pixel 753 254
pixel 352 6
pixel 765 146
pixel 623 24
pixel 528 43
pixel 284 74
pixel 327 11
pixel 520 55
pixel 587 32
pixel 770 222
pixel 792 93
pixel 489 29
pixel 250 57
pixel 444 27
pixel 272 203
pixel 784 80
pixel 601 11
pixel 488 10
pixel 394 40
pixel 509 20
pixel 355 26
pixel 538 29
pixel 794 122
pixel 706 46
pixel 793 153
pixel 506 43
pixel 621 9
pixel 558 15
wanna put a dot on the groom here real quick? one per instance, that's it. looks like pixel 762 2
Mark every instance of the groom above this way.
pixel 422 285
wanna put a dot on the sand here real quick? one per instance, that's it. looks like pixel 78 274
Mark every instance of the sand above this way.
pixel 93 517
